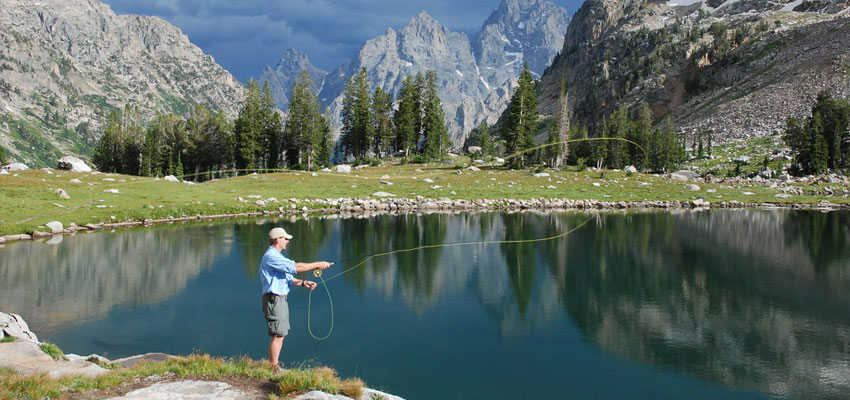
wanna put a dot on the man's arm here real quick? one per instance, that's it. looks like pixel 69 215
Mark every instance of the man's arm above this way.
pixel 304 267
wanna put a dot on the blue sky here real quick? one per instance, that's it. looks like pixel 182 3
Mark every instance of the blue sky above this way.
pixel 245 36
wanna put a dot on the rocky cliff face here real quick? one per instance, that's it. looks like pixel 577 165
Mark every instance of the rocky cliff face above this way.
pixel 64 65
pixel 283 76
pixel 475 78
pixel 769 62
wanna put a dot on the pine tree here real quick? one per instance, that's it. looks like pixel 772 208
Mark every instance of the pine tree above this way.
pixel 382 108
pixel 271 129
pixel 640 133
pixel 561 129
pixel 304 128
pixel 324 146
pixel 4 157
pixel 109 151
pixel 521 123
pixel 618 127
pixel 434 123
pixel 485 140
pixel 404 119
pixel 357 126
pixel 248 130
pixel 819 146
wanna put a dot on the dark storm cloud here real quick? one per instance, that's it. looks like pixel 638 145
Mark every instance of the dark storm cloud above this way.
pixel 245 36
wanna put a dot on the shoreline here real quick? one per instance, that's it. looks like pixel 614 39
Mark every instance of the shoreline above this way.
pixel 349 207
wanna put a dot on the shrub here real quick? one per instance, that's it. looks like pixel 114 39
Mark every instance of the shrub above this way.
pixel 581 164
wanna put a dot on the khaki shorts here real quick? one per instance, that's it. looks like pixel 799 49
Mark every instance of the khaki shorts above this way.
pixel 276 311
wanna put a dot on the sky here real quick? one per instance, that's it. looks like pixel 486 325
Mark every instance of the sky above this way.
pixel 244 36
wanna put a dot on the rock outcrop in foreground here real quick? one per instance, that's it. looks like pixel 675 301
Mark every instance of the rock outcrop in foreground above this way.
pixel 25 356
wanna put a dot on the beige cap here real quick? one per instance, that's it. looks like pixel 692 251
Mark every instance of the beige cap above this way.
pixel 279 232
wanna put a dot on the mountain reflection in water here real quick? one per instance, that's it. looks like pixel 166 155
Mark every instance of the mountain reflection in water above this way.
pixel 755 300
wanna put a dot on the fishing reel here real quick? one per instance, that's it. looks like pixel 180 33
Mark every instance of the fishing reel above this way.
pixel 317 273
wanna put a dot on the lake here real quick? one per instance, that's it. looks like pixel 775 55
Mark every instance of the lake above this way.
pixel 733 304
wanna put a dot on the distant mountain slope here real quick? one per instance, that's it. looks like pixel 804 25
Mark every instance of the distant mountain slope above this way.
pixel 65 64
pixel 475 78
pixel 283 76
pixel 767 63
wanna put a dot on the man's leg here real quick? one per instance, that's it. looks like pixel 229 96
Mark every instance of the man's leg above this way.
pixel 275 345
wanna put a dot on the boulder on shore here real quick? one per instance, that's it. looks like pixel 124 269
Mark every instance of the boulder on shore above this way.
pixel 73 164
pixel 16 167
pixel 684 175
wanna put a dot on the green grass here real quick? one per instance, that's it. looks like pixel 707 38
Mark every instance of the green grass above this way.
pixel 53 351
pixel 723 163
pixel 8 339
pixel 29 200
pixel 204 367
pixel 321 378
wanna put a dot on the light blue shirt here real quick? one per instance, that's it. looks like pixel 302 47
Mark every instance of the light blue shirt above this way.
pixel 276 272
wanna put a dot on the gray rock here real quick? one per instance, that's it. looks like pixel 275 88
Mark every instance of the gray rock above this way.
pixel 55 227
pixel 684 175
pixel 368 394
pixel 15 326
pixel 149 357
pixel 16 167
pixel 388 183
pixel 75 180
pixel 185 390
pixel 343 168
pixel 541 175
pixel 4 172
pixel 474 150
pixel 382 194
pixel 692 187
pixel 73 164
pixel 170 178
pixel 62 194
pixel 631 169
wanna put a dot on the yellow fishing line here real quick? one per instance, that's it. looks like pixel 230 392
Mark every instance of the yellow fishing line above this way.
pixel 324 281
pixel 517 154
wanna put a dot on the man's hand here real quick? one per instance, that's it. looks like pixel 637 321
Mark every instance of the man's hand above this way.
pixel 323 264
pixel 310 284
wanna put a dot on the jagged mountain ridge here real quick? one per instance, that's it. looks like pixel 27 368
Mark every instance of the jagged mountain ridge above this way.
pixel 475 77
pixel 637 51
pixel 285 74
pixel 66 64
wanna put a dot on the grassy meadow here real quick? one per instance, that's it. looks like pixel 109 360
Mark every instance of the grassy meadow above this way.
pixel 29 200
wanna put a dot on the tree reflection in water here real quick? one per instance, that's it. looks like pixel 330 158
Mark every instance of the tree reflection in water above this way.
pixel 757 300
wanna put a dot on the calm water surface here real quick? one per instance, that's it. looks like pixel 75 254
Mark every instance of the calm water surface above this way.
pixel 648 305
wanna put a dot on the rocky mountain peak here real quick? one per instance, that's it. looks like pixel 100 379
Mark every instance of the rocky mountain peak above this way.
pixel 282 77
pixel 64 65
pixel 475 79
pixel 769 63
pixel 517 31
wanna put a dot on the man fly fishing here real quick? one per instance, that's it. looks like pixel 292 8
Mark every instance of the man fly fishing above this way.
pixel 277 275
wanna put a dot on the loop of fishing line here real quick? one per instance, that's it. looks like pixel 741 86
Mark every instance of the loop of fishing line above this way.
pixel 318 273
